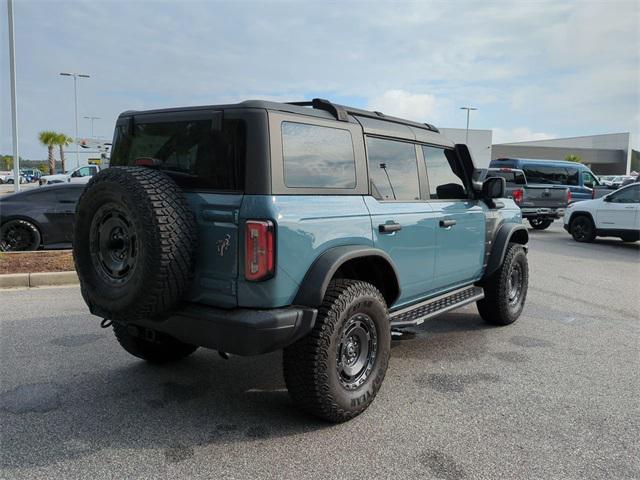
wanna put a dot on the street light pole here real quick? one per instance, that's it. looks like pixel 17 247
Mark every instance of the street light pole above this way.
pixel 14 98
pixel 468 109
pixel 75 98
pixel 92 119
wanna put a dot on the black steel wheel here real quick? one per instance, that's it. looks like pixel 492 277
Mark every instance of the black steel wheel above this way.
pixel 19 236
pixel 335 372
pixel 114 243
pixel 357 351
pixel 582 229
pixel 539 223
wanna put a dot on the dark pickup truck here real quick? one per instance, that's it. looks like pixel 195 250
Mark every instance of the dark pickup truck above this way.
pixel 540 204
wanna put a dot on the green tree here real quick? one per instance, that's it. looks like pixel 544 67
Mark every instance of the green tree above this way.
pixel 43 167
pixel 573 158
pixel 49 139
pixel 63 141
pixel 7 162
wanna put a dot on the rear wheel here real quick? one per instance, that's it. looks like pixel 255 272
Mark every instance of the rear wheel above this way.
pixel 540 223
pixel 582 229
pixel 336 371
pixel 153 347
pixel 19 236
pixel 506 289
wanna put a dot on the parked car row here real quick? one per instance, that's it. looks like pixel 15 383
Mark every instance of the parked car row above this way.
pixel 27 175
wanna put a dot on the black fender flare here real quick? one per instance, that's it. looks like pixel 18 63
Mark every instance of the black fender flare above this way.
pixel 581 213
pixel 314 285
pixel 506 233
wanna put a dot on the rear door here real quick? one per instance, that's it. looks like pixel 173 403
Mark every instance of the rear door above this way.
pixel 403 223
pixel 621 209
pixel 460 231
pixel 204 154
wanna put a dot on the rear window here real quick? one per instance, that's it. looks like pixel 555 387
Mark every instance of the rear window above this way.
pixel 512 178
pixel 547 174
pixel 192 152
pixel 317 157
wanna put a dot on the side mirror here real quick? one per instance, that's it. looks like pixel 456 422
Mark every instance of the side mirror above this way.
pixel 450 191
pixel 607 198
pixel 494 187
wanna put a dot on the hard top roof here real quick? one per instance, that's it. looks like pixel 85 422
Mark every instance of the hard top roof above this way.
pixel 319 108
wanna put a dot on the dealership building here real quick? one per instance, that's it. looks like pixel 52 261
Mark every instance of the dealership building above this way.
pixel 608 154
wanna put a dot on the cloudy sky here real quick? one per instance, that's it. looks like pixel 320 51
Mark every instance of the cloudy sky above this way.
pixel 534 70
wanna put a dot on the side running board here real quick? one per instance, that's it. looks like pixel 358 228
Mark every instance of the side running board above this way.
pixel 418 313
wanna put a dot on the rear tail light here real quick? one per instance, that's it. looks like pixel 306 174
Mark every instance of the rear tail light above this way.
pixel 259 251
pixel 518 195
pixel 569 196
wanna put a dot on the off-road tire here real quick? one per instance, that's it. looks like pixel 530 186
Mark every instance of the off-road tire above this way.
pixel 27 244
pixel 540 223
pixel 159 246
pixel 311 364
pixel 496 307
pixel 162 349
pixel 582 229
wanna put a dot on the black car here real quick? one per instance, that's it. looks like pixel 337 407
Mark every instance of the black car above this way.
pixel 42 217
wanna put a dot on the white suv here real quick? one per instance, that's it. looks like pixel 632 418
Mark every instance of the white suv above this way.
pixel 614 215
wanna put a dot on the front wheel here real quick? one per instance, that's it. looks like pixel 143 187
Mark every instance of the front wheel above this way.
pixel 19 236
pixel 506 289
pixel 335 372
pixel 540 223
pixel 582 229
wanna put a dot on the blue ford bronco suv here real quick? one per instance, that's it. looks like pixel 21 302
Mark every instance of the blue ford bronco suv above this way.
pixel 309 227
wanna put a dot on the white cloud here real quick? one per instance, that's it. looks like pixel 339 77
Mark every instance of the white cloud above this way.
pixel 519 134
pixel 413 106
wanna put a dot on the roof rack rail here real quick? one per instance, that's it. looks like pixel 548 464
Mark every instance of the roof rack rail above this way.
pixel 342 112
pixel 321 104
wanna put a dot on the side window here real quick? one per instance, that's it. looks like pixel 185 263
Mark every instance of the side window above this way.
pixel 393 169
pixel 84 172
pixel 588 180
pixel 444 182
pixel 317 157
pixel 628 195
pixel 572 177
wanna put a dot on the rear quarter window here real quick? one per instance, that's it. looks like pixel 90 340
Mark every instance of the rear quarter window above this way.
pixel 317 157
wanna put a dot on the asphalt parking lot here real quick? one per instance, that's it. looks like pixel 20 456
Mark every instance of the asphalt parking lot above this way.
pixel 555 395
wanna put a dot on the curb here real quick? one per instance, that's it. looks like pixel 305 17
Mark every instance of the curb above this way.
pixel 42 279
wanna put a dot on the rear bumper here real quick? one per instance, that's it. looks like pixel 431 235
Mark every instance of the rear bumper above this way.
pixel 239 331
pixel 542 212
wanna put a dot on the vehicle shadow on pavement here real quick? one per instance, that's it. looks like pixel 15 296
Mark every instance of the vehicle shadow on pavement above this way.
pixel 455 336
pixel 202 400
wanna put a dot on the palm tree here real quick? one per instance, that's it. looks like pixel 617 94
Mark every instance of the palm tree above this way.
pixel 49 139
pixel 63 141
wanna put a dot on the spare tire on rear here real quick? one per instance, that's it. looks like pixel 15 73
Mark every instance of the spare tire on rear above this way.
pixel 134 243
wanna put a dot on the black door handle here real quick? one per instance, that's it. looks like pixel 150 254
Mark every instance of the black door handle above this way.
pixel 389 227
pixel 447 223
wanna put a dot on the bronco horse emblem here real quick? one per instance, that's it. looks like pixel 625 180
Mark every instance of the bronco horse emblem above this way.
pixel 223 244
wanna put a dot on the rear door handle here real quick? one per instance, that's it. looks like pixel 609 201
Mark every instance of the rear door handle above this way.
pixel 389 227
pixel 447 223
